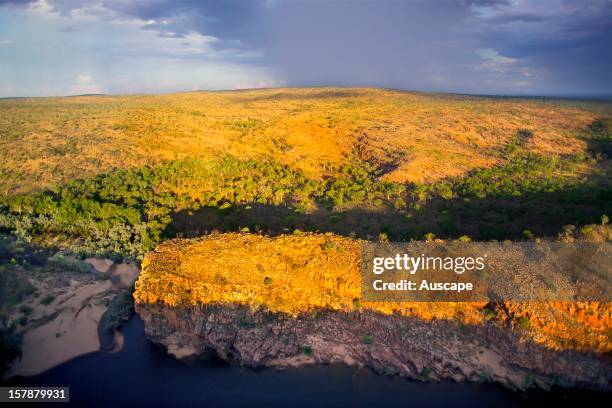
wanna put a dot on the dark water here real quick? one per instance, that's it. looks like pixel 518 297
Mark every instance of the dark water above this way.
pixel 142 374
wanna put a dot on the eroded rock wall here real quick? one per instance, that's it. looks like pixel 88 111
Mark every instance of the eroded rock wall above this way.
pixel 390 344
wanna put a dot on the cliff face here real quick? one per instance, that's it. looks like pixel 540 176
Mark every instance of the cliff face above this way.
pixel 390 344
pixel 294 300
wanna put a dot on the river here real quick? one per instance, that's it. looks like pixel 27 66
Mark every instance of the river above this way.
pixel 143 374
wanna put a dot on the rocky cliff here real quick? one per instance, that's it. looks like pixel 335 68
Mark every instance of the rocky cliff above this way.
pixel 294 300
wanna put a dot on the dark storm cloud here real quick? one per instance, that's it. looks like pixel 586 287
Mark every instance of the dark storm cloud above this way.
pixel 569 46
pixel 232 19
pixel 550 48
pixel 389 43
pixel 392 44
pixel 483 46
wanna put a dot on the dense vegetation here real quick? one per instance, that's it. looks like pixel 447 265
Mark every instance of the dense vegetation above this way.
pixel 119 310
pixel 128 212
pixel 114 176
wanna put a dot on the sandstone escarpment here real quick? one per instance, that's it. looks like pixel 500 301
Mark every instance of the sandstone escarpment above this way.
pixel 294 300
pixel 390 344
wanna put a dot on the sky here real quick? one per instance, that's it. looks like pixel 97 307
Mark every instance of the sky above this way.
pixel 509 47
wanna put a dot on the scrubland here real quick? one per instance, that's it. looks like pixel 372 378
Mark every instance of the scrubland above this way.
pixel 413 137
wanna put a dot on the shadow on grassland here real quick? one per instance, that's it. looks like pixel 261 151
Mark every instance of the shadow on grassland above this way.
pixel 499 217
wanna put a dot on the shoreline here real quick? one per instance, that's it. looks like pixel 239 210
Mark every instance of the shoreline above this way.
pixel 72 323
pixel 115 377
pixel 392 345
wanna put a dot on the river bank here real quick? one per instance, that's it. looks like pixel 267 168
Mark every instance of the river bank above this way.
pixel 65 313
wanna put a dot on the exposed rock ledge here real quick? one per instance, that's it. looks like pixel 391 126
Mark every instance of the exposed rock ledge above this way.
pixel 406 346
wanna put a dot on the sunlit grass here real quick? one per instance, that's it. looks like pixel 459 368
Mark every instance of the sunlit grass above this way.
pixel 420 137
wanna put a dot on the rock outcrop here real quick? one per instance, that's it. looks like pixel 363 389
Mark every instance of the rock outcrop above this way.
pixel 224 293
pixel 406 346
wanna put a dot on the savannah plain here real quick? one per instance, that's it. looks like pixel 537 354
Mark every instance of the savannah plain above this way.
pixel 422 137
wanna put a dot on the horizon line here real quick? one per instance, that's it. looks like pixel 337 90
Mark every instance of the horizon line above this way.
pixel 604 97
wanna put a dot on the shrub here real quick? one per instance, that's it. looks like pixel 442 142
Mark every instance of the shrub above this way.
pixel 25 309
pixel 524 134
pixel 424 376
pixel 598 127
pixel 119 310
pixel 10 345
pixel 430 236
pixel 307 350
pixel 488 313
pixel 367 339
pixel 389 371
pixel 14 286
pixel 523 323
pixel 47 300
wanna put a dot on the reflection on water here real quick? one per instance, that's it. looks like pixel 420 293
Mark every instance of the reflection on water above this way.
pixel 143 374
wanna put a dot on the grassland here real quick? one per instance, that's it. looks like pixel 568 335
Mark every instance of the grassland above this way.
pixel 413 137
